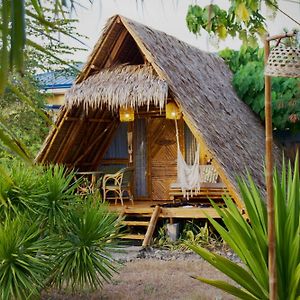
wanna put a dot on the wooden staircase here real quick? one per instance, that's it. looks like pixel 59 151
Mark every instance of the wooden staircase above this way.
pixel 149 224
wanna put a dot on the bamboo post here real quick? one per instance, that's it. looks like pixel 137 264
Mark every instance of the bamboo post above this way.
pixel 269 173
pixel 151 226
pixel 269 184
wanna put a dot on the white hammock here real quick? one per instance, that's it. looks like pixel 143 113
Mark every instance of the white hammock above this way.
pixel 188 176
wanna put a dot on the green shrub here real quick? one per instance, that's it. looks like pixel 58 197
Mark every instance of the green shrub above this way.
pixel 20 188
pixel 191 234
pixel 69 241
pixel 59 197
pixel 24 263
pixel 84 251
pixel 249 240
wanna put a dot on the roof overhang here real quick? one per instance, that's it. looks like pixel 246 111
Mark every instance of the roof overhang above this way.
pixel 120 86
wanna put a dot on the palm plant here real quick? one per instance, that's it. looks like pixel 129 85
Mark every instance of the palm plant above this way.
pixel 23 256
pixel 69 242
pixel 84 250
pixel 20 189
pixel 248 239
pixel 58 198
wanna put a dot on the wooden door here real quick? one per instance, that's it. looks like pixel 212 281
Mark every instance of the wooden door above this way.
pixel 163 155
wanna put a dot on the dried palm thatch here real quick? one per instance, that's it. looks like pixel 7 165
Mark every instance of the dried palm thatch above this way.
pixel 120 86
pixel 199 82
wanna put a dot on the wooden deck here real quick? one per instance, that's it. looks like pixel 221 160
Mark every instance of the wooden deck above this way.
pixel 146 208
pixel 145 214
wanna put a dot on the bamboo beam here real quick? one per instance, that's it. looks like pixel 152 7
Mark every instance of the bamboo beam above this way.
pixel 116 48
pixel 151 227
pixel 55 133
pixel 149 160
pixel 269 184
pixel 105 144
pixel 89 131
pixel 280 36
pixel 74 119
pixel 71 135
pixel 60 150
pixel 86 71
pixel 91 146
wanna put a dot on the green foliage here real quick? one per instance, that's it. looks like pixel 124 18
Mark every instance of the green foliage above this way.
pixel 58 197
pixel 248 81
pixel 29 41
pixel 192 234
pixel 24 259
pixel 50 236
pixel 84 258
pixel 201 235
pixel 243 18
pixel 48 194
pixel 20 189
pixel 249 240
pixel 21 119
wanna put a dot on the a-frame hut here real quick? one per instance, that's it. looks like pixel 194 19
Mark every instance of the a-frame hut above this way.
pixel 134 66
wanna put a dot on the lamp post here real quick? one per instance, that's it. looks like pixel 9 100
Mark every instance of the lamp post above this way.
pixel 287 66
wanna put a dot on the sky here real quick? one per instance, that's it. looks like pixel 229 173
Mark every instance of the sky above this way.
pixel 168 16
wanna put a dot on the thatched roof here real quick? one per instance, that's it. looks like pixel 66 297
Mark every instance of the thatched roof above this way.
pixel 123 85
pixel 200 82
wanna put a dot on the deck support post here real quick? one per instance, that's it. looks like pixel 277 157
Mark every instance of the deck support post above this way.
pixel 151 226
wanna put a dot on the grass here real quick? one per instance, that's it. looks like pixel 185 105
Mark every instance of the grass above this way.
pixel 156 279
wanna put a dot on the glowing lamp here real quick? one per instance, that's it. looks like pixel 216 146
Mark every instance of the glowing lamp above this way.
pixel 172 111
pixel 126 114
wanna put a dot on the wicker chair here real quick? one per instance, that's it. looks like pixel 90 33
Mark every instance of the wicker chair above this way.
pixel 117 184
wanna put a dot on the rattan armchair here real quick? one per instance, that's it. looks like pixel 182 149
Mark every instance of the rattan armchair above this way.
pixel 118 184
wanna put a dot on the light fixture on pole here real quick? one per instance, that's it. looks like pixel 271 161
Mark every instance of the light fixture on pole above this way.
pixel 283 62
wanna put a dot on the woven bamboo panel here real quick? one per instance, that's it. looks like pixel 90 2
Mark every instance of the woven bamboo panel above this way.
pixel 283 62
pixel 163 150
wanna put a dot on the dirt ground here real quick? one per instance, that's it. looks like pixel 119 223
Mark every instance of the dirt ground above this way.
pixel 154 278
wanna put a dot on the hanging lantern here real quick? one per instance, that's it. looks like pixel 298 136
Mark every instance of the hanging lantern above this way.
pixel 172 111
pixel 126 114
pixel 283 62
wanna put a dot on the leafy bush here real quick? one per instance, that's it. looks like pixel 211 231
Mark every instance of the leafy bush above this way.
pixel 20 189
pixel 59 196
pixel 249 240
pixel 69 241
pixel 84 258
pixel 192 234
pixel 47 193
pixel 24 259
pixel 248 81
pixel 202 235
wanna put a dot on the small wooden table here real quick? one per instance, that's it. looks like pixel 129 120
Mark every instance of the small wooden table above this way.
pixel 90 187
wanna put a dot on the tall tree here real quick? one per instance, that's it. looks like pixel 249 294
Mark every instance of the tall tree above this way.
pixel 30 39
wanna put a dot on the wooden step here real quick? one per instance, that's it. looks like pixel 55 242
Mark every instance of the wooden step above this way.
pixel 135 223
pixel 133 236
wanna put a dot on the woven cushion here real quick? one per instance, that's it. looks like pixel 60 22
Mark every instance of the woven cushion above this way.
pixel 208 174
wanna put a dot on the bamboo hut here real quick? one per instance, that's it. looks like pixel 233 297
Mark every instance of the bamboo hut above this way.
pixel 133 67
